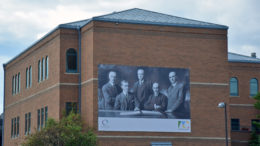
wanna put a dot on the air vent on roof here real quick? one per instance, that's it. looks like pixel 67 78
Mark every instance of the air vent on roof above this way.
pixel 253 55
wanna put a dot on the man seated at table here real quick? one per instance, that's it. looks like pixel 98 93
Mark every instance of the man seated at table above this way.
pixel 124 101
pixel 156 101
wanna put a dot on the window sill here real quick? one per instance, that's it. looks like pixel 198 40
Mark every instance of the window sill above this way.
pixel 71 73
pixel 232 96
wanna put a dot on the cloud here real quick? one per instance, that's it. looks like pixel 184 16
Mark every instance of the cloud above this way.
pixel 3 59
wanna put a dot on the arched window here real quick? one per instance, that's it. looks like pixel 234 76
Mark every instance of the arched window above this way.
pixel 43 68
pixel 253 87
pixel 13 86
pixel 30 76
pixel 18 84
pixel 71 60
pixel 27 77
pixel 233 83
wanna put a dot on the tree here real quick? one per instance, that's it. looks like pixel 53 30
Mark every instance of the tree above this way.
pixel 67 132
pixel 255 137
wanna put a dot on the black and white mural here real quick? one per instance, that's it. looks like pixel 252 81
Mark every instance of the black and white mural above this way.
pixel 138 98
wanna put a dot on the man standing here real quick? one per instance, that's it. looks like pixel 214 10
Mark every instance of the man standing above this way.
pixel 124 101
pixel 157 101
pixel 176 96
pixel 142 90
pixel 110 90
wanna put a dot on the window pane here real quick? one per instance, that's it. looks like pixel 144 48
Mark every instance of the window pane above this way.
pixel 39 70
pixel 12 129
pixel 15 89
pixel 235 124
pixel 46 115
pixel 29 123
pixel 38 119
pixel 26 81
pixel 43 69
pixel 71 60
pixel 19 82
pixel 13 85
pixel 233 87
pixel 254 127
pixel 47 67
pixel 42 117
pixel 253 87
pixel 18 120
pixel 25 125
pixel 30 76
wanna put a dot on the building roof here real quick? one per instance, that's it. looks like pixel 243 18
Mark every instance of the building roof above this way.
pixel 233 57
pixel 133 16
pixel 140 16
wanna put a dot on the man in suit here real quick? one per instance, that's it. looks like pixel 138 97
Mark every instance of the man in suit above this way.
pixel 124 101
pixel 110 90
pixel 156 101
pixel 142 90
pixel 176 96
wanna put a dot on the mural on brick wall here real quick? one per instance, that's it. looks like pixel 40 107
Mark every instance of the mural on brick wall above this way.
pixel 137 98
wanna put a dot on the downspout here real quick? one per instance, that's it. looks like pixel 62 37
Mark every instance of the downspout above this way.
pixel 79 44
pixel 3 109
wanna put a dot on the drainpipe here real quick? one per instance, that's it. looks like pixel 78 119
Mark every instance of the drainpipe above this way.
pixel 3 109
pixel 79 44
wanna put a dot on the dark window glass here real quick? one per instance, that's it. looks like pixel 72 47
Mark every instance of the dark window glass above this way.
pixel 71 57
pixel 235 124
pixel 15 89
pixel 12 129
pixel 13 85
pixel 46 115
pixel 19 81
pixel 71 106
pixel 38 119
pixel 25 125
pixel 18 126
pixel 42 117
pixel 29 123
pixel 254 127
pixel 161 144
pixel 233 87
pixel 253 87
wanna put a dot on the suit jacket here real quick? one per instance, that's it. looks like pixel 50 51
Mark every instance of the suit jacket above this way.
pixel 141 93
pixel 109 93
pixel 176 98
pixel 158 100
pixel 124 102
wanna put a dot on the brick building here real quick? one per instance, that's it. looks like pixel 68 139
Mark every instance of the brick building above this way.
pixel 61 70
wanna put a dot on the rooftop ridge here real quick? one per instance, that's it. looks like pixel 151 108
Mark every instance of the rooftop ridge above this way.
pixel 243 55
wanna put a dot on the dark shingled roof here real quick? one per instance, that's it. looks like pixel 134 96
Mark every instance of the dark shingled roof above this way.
pixel 140 16
pixel 233 57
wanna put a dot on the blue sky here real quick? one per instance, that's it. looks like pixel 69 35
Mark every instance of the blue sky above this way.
pixel 24 22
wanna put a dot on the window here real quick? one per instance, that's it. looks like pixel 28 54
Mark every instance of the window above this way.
pixel 233 87
pixel 46 115
pixel 39 71
pixel 42 116
pixel 27 123
pixel 18 84
pixel 30 76
pixel 71 106
pixel 38 119
pixel 13 85
pixel 254 127
pixel 15 89
pixel 47 67
pixel 27 77
pixel 43 69
pixel 235 124
pixel 71 60
pixel 17 128
pixel 12 128
pixel 253 87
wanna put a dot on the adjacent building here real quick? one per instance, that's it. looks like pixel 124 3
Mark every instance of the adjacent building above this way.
pixel 70 68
